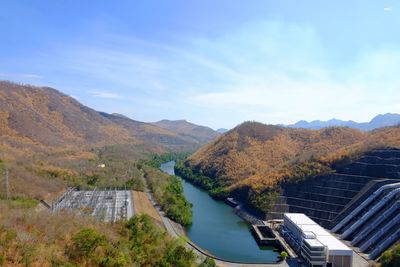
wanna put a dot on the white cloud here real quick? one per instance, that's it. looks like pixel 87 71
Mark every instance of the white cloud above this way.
pixel 387 9
pixel 269 71
pixel 108 95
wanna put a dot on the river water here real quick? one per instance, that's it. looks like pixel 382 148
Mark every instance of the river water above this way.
pixel 217 229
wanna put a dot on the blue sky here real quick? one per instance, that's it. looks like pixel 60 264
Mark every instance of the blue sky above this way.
pixel 216 63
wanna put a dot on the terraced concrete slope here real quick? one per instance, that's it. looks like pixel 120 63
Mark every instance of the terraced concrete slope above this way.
pixel 327 198
pixel 371 222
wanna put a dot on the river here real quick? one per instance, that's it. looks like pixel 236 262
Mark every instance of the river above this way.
pixel 217 229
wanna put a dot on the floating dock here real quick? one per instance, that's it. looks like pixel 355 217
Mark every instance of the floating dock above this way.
pixel 231 202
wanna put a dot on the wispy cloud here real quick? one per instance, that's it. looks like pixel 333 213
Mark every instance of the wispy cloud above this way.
pixel 108 95
pixel 20 75
pixel 387 8
pixel 270 71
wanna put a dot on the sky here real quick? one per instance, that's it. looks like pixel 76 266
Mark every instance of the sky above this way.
pixel 214 63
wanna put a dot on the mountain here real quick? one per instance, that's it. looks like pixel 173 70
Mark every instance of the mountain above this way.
pixel 188 130
pixel 150 133
pixel 49 140
pixel 388 119
pixel 256 157
pixel 382 120
pixel 42 116
pixel 222 130
pixel 250 152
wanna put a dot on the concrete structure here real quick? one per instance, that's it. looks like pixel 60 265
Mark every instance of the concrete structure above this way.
pixel 329 198
pixel 374 225
pixel 107 205
pixel 316 245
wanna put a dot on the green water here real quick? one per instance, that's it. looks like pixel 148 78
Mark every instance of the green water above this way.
pixel 218 230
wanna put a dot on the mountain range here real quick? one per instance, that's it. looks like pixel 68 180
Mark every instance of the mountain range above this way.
pixel 33 116
pixel 192 132
pixel 49 139
pixel 381 120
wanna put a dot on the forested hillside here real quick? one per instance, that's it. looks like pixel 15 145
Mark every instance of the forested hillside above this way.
pixel 32 116
pixel 254 158
pixel 50 140
pixel 190 131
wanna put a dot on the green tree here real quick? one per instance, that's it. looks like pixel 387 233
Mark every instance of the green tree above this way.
pixel 84 244
pixel 391 257
pixel 208 262
pixel 284 255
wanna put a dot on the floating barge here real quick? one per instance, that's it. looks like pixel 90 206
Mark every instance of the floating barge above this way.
pixel 231 202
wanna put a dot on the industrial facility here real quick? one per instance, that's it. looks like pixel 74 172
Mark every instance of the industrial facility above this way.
pixel 360 202
pixel 109 205
pixel 317 246
pixel 374 224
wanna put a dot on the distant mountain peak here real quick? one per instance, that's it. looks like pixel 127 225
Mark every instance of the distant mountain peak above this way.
pixel 381 120
pixel 222 130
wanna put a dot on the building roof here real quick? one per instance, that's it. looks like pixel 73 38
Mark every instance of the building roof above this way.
pixel 299 218
pixel 313 242
pixel 306 225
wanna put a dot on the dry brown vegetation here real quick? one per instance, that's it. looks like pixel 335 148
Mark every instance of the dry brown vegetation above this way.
pixel 47 119
pixel 31 238
pixel 49 140
pixel 196 133
pixel 260 156
pixel 40 238
pixel 142 205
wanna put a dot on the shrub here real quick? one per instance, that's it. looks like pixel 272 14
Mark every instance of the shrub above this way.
pixel 284 255
pixel 84 244
pixel 208 262
pixel 391 257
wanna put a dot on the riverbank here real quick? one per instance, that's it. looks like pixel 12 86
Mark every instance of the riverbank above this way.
pixel 218 229
pixel 177 231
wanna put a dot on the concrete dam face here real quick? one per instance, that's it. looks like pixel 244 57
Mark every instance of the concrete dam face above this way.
pixel 334 201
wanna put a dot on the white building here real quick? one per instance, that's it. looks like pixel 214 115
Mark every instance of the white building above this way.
pixel 316 245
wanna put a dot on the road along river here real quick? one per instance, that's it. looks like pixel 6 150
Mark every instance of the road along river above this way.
pixel 217 229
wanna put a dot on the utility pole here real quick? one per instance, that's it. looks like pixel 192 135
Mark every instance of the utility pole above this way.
pixel 6 184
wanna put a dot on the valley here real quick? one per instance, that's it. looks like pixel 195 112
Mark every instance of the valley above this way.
pixel 206 133
pixel 111 163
